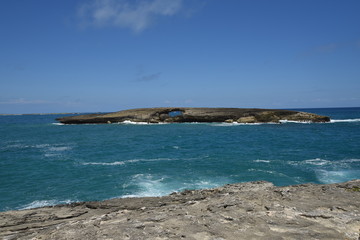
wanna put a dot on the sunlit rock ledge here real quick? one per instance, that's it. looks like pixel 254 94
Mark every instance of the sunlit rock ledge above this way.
pixel 253 210
pixel 178 115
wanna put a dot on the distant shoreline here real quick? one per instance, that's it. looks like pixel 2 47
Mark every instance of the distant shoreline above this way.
pixel 21 114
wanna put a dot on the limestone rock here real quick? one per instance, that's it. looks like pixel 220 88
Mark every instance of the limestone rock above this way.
pixel 250 119
pixel 243 115
pixel 254 210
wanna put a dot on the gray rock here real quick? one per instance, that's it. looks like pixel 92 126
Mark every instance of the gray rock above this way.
pixel 254 210
pixel 158 115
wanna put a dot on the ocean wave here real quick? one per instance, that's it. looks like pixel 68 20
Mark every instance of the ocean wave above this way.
pixel 268 172
pixel 325 162
pixel 58 124
pixel 128 161
pixel 317 162
pixel 344 120
pixel 235 124
pixel 262 161
pixel 44 203
pixel 59 148
pixel 291 121
pixel 336 176
pixel 45 147
pixel 139 123
pixel 149 185
pixel 330 171
pixel 104 164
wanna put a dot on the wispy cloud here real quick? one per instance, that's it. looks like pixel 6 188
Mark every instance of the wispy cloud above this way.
pixel 136 15
pixel 149 77
pixel 326 48
pixel 331 47
pixel 23 101
pixel 321 49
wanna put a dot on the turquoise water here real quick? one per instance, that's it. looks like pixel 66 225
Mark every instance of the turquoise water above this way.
pixel 45 163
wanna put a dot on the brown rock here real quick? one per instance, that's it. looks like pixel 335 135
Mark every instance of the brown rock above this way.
pixel 195 115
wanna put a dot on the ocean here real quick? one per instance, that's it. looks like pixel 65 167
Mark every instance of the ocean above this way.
pixel 45 163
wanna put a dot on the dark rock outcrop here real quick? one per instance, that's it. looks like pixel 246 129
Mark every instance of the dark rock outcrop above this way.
pixel 158 115
pixel 254 210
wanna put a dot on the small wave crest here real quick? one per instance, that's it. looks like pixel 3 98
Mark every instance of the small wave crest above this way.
pixel 127 161
pixel 44 203
pixel 261 161
pixel 235 124
pixel 139 123
pixel 291 121
pixel 317 162
pixel 325 162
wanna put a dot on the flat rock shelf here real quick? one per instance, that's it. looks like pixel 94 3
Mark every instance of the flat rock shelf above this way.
pixel 253 210
pixel 173 115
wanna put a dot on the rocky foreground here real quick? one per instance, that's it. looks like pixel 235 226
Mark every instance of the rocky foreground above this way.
pixel 254 210
pixel 161 115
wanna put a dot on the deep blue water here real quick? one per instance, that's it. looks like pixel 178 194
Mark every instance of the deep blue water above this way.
pixel 44 163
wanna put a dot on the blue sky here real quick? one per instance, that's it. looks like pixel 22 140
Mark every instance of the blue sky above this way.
pixel 89 56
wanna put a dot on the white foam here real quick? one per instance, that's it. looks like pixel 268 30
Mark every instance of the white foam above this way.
pixel 58 124
pixel 317 161
pixel 206 183
pixel 291 121
pixel 264 161
pixel 140 123
pixel 54 150
pixel 149 186
pixel 234 124
pixel 325 176
pixel 351 160
pixel 104 164
pixel 59 149
pixel 127 161
pixel 153 186
pixel 43 203
pixel 41 145
pixel 344 163
pixel 344 120
pixel 137 123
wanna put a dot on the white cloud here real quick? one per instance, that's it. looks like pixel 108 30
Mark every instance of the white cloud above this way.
pixel 136 15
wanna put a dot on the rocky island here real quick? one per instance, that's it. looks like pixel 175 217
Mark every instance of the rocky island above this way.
pixel 253 210
pixel 178 115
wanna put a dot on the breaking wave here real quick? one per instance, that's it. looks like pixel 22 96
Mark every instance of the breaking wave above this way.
pixel 44 203
pixel 150 185
pixel 344 120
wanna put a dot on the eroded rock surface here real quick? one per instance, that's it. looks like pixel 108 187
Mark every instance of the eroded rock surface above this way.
pixel 254 210
pixel 158 115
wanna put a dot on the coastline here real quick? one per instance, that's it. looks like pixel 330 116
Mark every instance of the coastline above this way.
pixel 252 210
